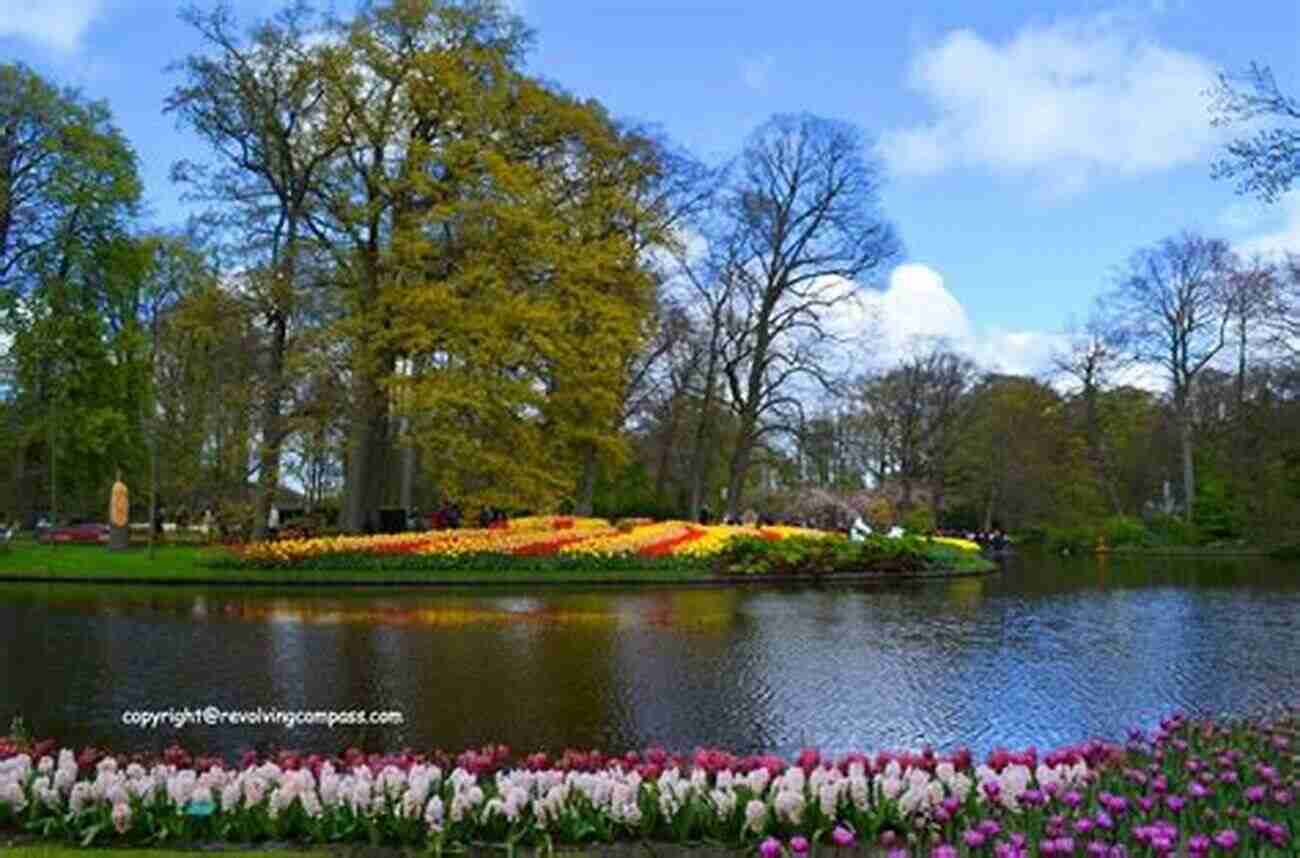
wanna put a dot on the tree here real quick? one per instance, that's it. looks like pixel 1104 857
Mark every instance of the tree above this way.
pixel 912 415
pixel 1094 354
pixel 68 192
pixel 1173 304
pixel 1266 163
pixel 804 221
pixel 258 104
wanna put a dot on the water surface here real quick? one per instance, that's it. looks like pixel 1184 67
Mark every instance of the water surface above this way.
pixel 1044 653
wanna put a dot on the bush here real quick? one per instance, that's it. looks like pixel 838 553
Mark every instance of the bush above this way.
pixel 1070 540
pixel 919 521
pixel 1172 530
pixel 1121 530
pixel 801 555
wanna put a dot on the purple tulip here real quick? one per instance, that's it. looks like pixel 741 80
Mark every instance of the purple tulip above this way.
pixel 943 850
pixel 1226 840
pixel 1198 844
pixel 1175 803
pixel 770 848
pixel 897 853
pixel 1282 797
pixel 842 836
pixel 990 828
pixel 799 844
pixel 1096 849
pixel 973 838
pixel 1255 794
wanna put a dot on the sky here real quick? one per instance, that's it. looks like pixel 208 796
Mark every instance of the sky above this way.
pixel 1029 147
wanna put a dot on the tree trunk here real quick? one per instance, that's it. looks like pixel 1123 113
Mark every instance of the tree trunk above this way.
pixel 736 478
pixel 700 454
pixel 268 476
pixel 367 444
pixel 585 499
pixel 407 491
pixel 1189 473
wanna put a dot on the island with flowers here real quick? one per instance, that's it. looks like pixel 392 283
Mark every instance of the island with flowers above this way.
pixel 546 549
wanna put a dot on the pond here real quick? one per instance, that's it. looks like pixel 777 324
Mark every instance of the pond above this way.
pixel 1044 653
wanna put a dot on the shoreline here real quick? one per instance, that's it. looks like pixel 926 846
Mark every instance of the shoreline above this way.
pixel 279 578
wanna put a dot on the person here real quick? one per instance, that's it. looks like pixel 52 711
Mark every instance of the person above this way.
pixel 158 516
pixel 704 514
pixel 485 518
pixel 273 521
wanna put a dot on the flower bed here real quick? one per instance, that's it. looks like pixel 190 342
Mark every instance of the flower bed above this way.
pixel 1193 788
pixel 588 542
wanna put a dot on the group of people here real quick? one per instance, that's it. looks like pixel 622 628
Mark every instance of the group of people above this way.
pixel 994 540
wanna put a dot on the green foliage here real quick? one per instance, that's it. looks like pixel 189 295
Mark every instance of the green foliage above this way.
pixel 1214 513
pixel 1123 530
pixel 747 555
pixel 1172 530
pixel 1069 540
pixel 919 520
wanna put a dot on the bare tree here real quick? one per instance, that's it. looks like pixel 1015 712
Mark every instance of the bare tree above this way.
pixel 1173 304
pixel 1095 353
pixel 806 227
pixel 1266 163
pixel 912 416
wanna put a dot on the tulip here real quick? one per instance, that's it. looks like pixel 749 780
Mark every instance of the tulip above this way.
pixel 770 848
pixel 799 845
pixel 1226 840
pixel 843 837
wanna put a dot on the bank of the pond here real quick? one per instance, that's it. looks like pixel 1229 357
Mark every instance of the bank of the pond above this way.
pixel 192 566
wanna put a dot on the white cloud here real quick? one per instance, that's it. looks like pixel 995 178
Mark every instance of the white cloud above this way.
pixel 918 307
pixel 1274 231
pixel 756 72
pixel 58 24
pixel 1062 103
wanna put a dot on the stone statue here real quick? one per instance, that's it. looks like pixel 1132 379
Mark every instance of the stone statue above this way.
pixel 119 511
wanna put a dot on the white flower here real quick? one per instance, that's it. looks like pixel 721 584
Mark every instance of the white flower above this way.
pixel 121 816
pixel 433 813
pixel 789 806
pixel 755 815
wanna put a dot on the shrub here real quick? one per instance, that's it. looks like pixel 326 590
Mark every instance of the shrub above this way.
pixel 919 520
pixel 1125 530
pixel 1070 540
pixel 1172 530
pixel 821 556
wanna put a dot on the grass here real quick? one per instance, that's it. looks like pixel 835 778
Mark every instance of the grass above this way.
pixel 52 851
pixel 29 561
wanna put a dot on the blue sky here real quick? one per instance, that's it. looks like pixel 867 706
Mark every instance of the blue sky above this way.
pixel 1030 147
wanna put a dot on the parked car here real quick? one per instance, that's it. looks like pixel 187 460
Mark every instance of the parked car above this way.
pixel 84 532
